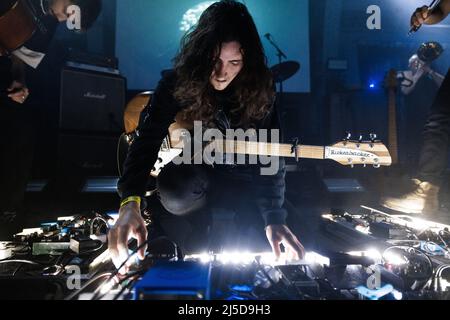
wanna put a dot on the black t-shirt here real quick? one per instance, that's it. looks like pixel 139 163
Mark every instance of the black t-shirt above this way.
pixel 224 101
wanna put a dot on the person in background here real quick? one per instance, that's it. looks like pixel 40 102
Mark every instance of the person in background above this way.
pixel 16 119
pixel 423 197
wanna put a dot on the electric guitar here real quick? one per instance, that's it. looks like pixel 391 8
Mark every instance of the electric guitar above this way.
pixel 348 153
pixel 17 24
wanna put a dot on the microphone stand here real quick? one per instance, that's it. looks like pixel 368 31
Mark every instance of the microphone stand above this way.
pixel 280 55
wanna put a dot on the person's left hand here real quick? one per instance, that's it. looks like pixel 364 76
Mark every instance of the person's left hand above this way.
pixel 280 234
pixel 18 92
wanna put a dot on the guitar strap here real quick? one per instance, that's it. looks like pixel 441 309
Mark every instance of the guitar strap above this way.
pixel 38 13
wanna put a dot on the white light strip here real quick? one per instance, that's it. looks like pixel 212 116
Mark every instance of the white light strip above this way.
pixel 66 219
pixel 5 252
pixel 370 253
pixel 265 258
pixel 29 232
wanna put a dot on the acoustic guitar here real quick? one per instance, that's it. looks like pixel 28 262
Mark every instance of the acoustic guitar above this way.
pixel 348 153
pixel 17 24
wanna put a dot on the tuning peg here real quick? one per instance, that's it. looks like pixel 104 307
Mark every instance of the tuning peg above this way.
pixel 360 140
pixel 377 164
pixel 350 162
pixel 347 137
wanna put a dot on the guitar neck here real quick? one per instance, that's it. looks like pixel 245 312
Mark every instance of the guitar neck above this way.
pixel 393 138
pixel 273 150
pixel 347 153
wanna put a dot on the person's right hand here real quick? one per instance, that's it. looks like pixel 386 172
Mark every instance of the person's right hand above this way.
pixel 18 92
pixel 129 225
pixel 419 16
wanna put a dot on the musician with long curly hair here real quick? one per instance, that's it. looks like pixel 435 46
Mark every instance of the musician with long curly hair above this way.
pixel 220 78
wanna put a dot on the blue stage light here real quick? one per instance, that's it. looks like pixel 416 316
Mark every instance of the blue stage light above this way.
pixel 191 17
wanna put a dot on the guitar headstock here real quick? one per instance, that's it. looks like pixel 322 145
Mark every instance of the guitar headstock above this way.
pixel 365 153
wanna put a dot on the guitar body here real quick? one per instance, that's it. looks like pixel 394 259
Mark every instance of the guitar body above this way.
pixel 167 153
pixel 165 156
pixel 134 109
pixel 132 115
pixel 172 146
pixel 17 25
pixel 131 118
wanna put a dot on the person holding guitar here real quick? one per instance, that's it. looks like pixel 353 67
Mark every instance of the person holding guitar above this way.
pixel 29 25
pixel 423 198
pixel 221 78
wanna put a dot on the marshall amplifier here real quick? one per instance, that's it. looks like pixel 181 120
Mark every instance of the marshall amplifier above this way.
pixel 91 101
pixel 81 157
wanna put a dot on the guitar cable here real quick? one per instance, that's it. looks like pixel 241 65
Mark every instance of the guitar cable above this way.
pixel 118 153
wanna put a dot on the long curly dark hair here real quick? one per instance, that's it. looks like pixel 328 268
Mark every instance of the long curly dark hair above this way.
pixel 222 22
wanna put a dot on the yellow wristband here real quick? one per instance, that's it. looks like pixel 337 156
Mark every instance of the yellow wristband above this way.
pixel 131 199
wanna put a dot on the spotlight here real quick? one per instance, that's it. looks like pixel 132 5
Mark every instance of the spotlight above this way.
pixel 191 17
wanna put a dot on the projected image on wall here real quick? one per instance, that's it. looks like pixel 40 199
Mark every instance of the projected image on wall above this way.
pixel 149 34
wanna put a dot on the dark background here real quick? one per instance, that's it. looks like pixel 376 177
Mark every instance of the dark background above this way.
pixel 339 100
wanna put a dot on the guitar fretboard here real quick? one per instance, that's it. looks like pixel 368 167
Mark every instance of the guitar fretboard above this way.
pixel 268 149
